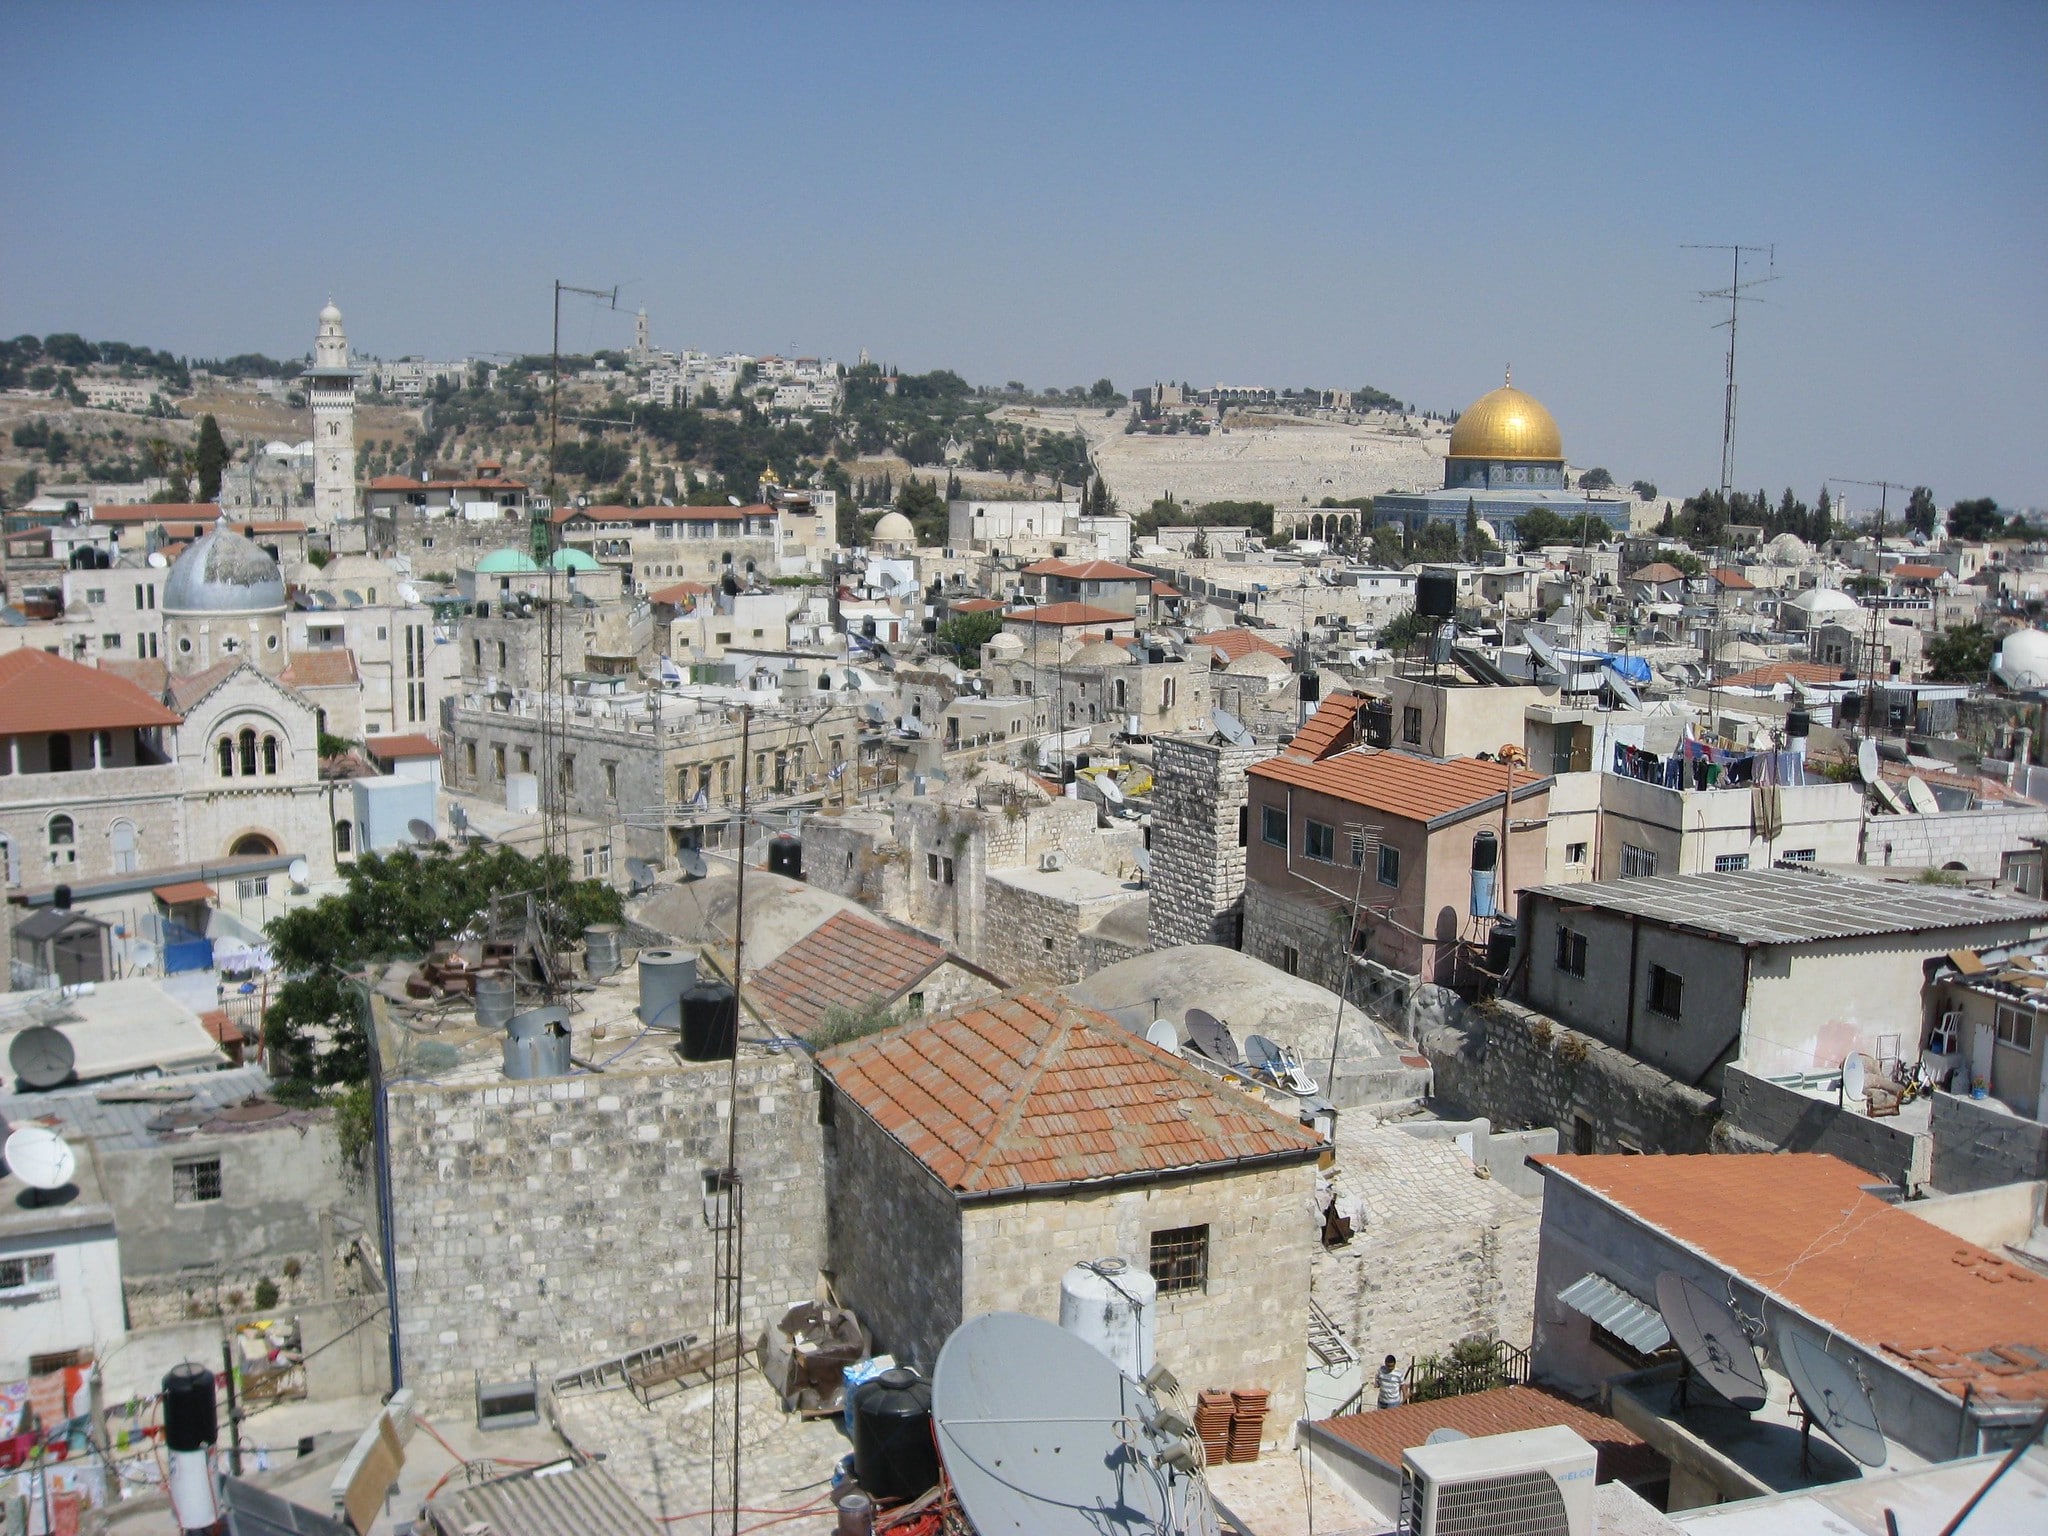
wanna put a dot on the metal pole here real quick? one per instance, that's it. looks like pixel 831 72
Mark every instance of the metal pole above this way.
pixel 227 1360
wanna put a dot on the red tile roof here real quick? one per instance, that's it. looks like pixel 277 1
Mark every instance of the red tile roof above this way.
pixel 1732 579
pixel 157 512
pixel 1161 589
pixel 394 749
pixel 847 962
pixel 330 668
pixel 1658 574
pixel 186 691
pixel 976 605
pixel 1330 729
pixel 1918 572
pixel 1383 1435
pixel 1061 614
pixel 1798 1226
pixel 182 891
pixel 1398 783
pixel 40 692
pixel 1023 1091
pixel 481 483
pixel 683 592
pixel 1776 672
pixel 1232 643
pixel 1087 570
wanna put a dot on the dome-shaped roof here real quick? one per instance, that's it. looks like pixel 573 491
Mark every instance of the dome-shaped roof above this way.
pixel 1507 424
pixel 1740 653
pixel 894 528
pixel 1788 549
pixel 1819 600
pixel 2022 660
pixel 329 315
pixel 223 573
pixel 571 560
pixel 506 562
pixel 1002 644
pixel 1100 653
pixel 1258 664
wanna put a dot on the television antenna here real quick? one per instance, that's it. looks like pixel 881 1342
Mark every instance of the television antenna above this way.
pixel 1713 1341
pixel 1736 293
pixel 1832 1397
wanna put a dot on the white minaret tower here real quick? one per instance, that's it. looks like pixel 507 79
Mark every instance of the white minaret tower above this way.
pixel 331 387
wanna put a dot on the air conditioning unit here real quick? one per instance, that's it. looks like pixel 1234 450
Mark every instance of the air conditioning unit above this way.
pixel 1535 1482
pixel 1051 860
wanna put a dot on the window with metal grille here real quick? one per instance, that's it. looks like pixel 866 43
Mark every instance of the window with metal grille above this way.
pixel 1729 863
pixel 1637 862
pixel 1180 1259
pixel 1667 991
pixel 1571 952
pixel 1411 724
pixel 1798 856
pixel 25 1271
pixel 195 1181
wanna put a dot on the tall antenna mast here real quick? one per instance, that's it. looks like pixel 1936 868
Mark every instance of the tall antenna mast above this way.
pixel 1736 293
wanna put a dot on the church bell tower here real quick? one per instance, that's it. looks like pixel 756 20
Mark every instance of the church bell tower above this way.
pixel 331 388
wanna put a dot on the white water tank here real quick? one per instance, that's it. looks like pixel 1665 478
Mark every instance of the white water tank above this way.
pixel 1111 1304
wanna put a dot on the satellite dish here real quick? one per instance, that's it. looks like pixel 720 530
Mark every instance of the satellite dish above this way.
pixel 1540 649
pixel 1230 728
pixel 641 873
pixel 734 500
pixel 422 832
pixel 1145 862
pixel 1445 1436
pixel 875 713
pixel 913 727
pixel 1042 1435
pixel 1920 797
pixel 1622 688
pixel 1852 1077
pixel 1711 1337
pixel 1866 761
pixel 692 864
pixel 1109 790
pixel 299 872
pixel 1888 797
pixel 408 593
pixel 1162 1034
pixel 42 1057
pixel 142 955
pixel 157 561
pixel 1208 1035
pixel 40 1158
pixel 1831 1395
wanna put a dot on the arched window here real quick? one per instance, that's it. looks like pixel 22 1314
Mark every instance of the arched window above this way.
pixel 227 757
pixel 121 845
pixel 62 837
pixel 270 755
pixel 344 837
pixel 248 754
pixel 60 752
pixel 1119 690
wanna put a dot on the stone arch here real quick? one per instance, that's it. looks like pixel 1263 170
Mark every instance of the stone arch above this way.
pixel 252 844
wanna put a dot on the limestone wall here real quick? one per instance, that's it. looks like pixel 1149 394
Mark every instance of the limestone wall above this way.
pixel 1975 839
pixel 561 1221
pixel 1198 796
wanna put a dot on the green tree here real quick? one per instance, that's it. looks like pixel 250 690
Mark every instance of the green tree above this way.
pixel 1102 392
pixel 1596 479
pixel 209 457
pixel 1477 540
pixel 1976 519
pixel 964 634
pixel 920 501
pixel 1389 547
pixel 1434 543
pixel 1920 512
pixel 1402 630
pixel 1961 654
pixel 1646 490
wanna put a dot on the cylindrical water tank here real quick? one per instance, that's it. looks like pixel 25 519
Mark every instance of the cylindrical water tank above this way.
pixel 1798 724
pixel 786 856
pixel 1485 855
pixel 710 1022
pixel 1109 1303
pixel 665 975
pixel 894 1455
pixel 537 1043
pixel 190 1420
pixel 1311 687
pixel 1500 946
pixel 496 998
pixel 601 949
pixel 1436 595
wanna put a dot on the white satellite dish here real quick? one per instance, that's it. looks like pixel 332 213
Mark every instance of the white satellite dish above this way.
pixel 1540 649
pixel 299 872
pixel 1921 798
pixel 408 593
pixel 1162 1034
pixel 1866 761
pixel 1110 792
pixel 142 955
pixel 1888 797
pixel 157 561
pixel 1852 1077
pixel 40 1158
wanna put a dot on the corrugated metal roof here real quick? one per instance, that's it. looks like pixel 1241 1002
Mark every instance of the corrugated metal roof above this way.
pixel 551 1501
pixel 123 1125
pixel 1635 1323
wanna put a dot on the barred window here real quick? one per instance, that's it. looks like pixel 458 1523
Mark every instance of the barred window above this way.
pixel 1180 1259
pixel 195 1181
pixel 26 1270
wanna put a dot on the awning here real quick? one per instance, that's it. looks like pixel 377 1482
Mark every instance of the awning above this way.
pixel 1635 1323
pixel 184 891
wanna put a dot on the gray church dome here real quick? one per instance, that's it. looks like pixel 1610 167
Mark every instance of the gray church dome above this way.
pixel 223 573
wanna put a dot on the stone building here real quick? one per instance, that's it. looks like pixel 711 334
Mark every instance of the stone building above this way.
pixel 330 386
pixel 1100 682
pixel 1010 1141
pixel 1199 832
pixel 657 546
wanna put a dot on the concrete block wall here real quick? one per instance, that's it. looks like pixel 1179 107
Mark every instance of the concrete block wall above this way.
pixel 1780 1119
pixel 1978 1145
pixel 1975 839
pixel 1197 862
pixel 561 1220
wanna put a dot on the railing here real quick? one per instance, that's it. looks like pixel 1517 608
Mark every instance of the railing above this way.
pixel 1467 1369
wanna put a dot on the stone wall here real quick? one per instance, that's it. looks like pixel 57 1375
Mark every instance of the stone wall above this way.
pixel 1979 1144
pixel 1276 922
pixel 1760 1115
pixel 1248 1327
pixel 1519 1068
pixel 1198 795
pixel 562 1220
pixel 1034 936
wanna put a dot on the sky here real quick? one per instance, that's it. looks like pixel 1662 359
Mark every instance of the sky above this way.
pixel 1412 197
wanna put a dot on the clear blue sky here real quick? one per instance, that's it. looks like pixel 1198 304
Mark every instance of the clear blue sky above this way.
pixel 1409 197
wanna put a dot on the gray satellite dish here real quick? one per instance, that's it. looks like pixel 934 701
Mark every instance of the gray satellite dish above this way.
pixel 1833 1398
pixel 876 715
pixel 1866 761
pixel 1162 1034
pixel 1230 728
pixel 692 864
pixel 1042 1435
pixel 1445 1436
pixel 42 1057
pixel 1623 690
pixel 1540 649
pixel 1711 1337
pixel 422 832
pixel 1145 862
pixel 352 597
pixel 913 727
pixel 641 873
pixel 40 1158
pixel 1211 1037
pixel 325 599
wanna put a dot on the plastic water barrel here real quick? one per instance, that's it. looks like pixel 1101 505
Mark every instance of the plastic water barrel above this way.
pixel 665 975
pixel 710 1022
pixel 601 949
pixel 191 1422
pixel 894 1455
pixel 1109 1302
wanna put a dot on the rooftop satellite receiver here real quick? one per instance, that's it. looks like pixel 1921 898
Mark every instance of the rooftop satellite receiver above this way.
pixel 1042 1435
pixel 1230 728
pixel 1210 1036
pixel 1445 1436
pixel 408 593
pixel 325 599
pixel 1623 689
pixel 158 560
pixel 1713 1341
pixel 1162 1034
pixel 1108 786
pixel 422 832
pixel 352 597
pixel 1833 1398
pixel 1920 797
pixel 42 1057
pixel 1145 862
pixel 1866 761
pixel 41 1159
pixel 299 872
pixel 692 864
pixel 1540 649
pixel 641 873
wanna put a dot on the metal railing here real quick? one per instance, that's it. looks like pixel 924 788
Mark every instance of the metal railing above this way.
pixel 1500 1364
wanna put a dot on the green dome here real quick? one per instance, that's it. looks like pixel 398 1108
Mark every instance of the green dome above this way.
pixel 572 560
pixel 506 562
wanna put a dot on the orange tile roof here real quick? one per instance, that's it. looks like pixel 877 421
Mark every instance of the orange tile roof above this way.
pixel 397 748
pixel 1799 1227
pixel 150 675
pixel 1023 1091
pixel 1330 729
pixel 679 594
pixel 1776 672
pixel 1399 784
pixel 330 668
pixel 1384 1434
pixel 182 891
pixel 1918 572
pixel 1161 589
pixel 40 692
pixel 1235 642
pixel 847 962
pixel 1733 579
pixel 1658 574
pixel 187 691
pixel 1061 614
pixel 1087 570
pixel 976 605
pixel 157 512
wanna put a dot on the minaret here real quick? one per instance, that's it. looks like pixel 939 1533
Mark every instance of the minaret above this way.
pixel 331 387
pixel 640 345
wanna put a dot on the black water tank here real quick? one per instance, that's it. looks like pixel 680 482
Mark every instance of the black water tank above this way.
pixel 483 609
pixel 1500 946
pixel 1798 724
pixel 1311 687
pixel 1849 709
pixel 1436 596
pixel 60 898
pixel 894 1456
pixel 1080 759
pixel 190 1422
pixel 1379 723
pixel 1485 849
pixel 710 1022
pixel 786 855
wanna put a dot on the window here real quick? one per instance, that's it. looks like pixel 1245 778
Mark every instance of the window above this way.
pixel 2016 1028
pixel 611 781
pixel 1667 990
pixel 469 757
pixel 947 866
pixel 931 866
pixel 1411 724
pixel 1729 863
pixel 1290 959
pixel 121 847
pixel 718 1187
pixel 110 642
pixel 1575 853
pixel 1582 1135
pixel 270 755
pixel 1180 1260
pixel 1799 855
pixel 254 889
pixel 497 761
pixel 1571 952
pixel 227 758
pixel 1244 825
pixel 1390 864
pixel 62 837
pixel 1273 825
pixel 344 836
pixel 28 1271
pixel 1320 843
pixel 248 753
pixel 590 863
pixel 60 752
pixel 1637 861
pixel 195 1181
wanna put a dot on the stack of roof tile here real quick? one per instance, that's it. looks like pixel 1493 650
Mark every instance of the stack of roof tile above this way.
pixel 1212 1425
pixel 1247 1422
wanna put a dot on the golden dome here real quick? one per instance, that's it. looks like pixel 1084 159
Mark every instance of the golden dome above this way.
pixel 1507 424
